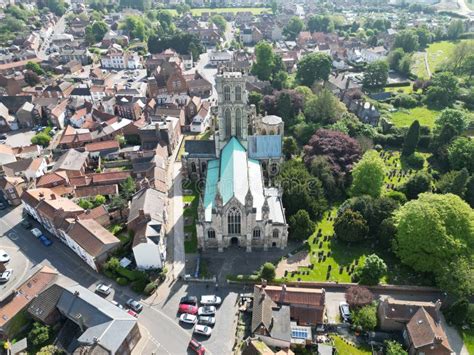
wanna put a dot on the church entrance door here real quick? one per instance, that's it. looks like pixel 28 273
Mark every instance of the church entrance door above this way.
pixel 234 241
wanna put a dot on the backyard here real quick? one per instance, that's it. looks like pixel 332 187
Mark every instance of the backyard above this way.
pixel 404 117
pixel 468 338
pixel 343 347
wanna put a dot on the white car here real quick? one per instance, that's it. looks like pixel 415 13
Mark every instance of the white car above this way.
pixel 210 300
pixel 188 318
pixel 103 289
pixel 4 257
pixel 36 232
pixel 203 329
pixel 5 276
pixel 207 311
pixel 345 311
pixel 116 304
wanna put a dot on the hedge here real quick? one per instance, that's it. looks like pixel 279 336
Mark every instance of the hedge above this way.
pixel 139 285
pixel 132 275
pixel 122 281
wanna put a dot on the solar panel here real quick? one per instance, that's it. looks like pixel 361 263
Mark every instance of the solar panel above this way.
pixel 299 333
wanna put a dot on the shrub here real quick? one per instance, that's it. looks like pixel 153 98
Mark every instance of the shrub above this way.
pixel 139 285
pixel 132 275
pixel 372 270
pixel 122 281
pixel 414 161
pixel 358 296
pixel 268 271
pixel 366 317
pixel 405 101
pixel 150 288
pixel 397 196
pixel 112 265
pixel 351 226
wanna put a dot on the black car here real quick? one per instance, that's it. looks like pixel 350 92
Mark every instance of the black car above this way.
pixel 192 300
pixel 26 223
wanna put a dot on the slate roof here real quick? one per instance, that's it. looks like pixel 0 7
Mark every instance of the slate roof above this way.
pixel 265 147
pixel 151 201
pixel 46 302
pixel 71 160
pixel 197 148
pixel 13 103
pixel 262 309
pixel 92 237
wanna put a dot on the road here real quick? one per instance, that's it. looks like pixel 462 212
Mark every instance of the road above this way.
pixel 59 27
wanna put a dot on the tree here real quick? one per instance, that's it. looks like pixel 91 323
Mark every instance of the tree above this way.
pixel 395 57
pixel 268 271
pixel 31 78
pixel 368 175
pixel 407 40
pixel 279 80
pixel 39 335
pixel 469 194
pixel 128 188
pixel 458 311
pixel 183 9
pixel 324 108
pixel 424 36
pixel 112 264
pixel 376 74
pixel 255 98
pixel 411 139
pixel 350 226
pixel 416 184
pixel 321 169
pixel 301 225
pixel 135 26
pixel 286 104
pixel 454 182
pixel 340 150
pixel 293 28
pixel 58 7
pixel 404 67
pixel 443 90
pixel 372 270
pixel 446 219
pixel 393 347
pixel 455 29
pixel 461 154
pixel 289 147
pixel 457 277
pixel 264 62
pixel 467 67
pixel 313 67
pixel 118 203
pixel 358 296
pixel 98 30
pixel 456 118
pixel 220 22
pixel 41 139
pixel 50 350
pixel 35 67
pixel 85 204
pixel 99 200
pixel 320 23
pixel 365 317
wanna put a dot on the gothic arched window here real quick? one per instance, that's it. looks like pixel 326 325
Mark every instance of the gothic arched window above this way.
pixel 233 221
pixel 256 233
pixel 226 93
pixel 276 233
pixel 238 93
pixel 238 122
pixel 193 167
pixel 227 123
pixel 211 234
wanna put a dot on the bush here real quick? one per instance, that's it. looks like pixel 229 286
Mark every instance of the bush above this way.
pixel 268 271
pixel 139 285
pixel 122 281
pixel 405 101
pixel 358 296
pixel 150 288
pixel 397 196
pixel 414 161
pixel 132 275
pixel 112 265
pixel 366 317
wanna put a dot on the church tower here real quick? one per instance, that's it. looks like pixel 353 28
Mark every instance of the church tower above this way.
pixel 232 108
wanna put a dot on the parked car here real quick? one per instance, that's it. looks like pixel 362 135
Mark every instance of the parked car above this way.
pixel 134 305
pixel 103 289
pixel 192 300
pixel 36 232
pixel 210 300
pixel 45 241
pixel 4 257
pixel 207 320
pixel 197 347
pixel 203 330
pixel 25 222
pixel 207 311
pixel 3 136
pixel 187 308
pixel 2 206
pixel 345 311
pixel 116 304
pixel 5 276
pixel 188 318
pixel 132 313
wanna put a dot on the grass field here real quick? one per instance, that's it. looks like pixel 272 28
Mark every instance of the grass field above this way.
pixel 418 66
pixel 468 338
pixel 344 348
pixel 400 89
pixel 438 53
pixel 404 117
pixel 190 244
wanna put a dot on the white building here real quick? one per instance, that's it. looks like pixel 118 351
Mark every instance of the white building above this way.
pixel 117 58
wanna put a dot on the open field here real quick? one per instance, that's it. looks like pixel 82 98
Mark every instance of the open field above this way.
pixel 404 117
pixel 438 53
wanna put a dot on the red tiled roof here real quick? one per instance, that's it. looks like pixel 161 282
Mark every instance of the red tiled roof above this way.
pixel 52 178
pixel 88 191
pixel 424 331
pixel 296 295
pixel 98 146
pixel 110 176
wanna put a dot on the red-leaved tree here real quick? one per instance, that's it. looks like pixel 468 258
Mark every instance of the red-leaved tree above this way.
pixel 358 296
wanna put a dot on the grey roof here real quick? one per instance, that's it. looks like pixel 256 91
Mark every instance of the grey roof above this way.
pixel 272 119
pixel 104 323
pixel 13 103
pixel 264 147
pixel 71 160
pixel 262 309
pixel 281 325
pixel 200 148
pixel 43 305
pixel 151 201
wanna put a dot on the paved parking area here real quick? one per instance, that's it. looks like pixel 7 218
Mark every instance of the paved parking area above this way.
pixel 20 139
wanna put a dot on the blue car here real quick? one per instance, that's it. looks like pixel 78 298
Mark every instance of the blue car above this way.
pixel 45 241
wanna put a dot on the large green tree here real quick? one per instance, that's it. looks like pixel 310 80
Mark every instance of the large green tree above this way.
pixel 407 40
pixel 301 225
pixel 411 139
pixel 456 118
pixel 372 270
pixel 368 175
pixel 265 60
pixel 417 184
pixel 350 226
pixel 454 182
pixel 443 90
pixel 293 28
pixel 393 347
pixel 433 231
pixel 365 317
pixel 457 277
pixel 461 154
pixel 376 74
pixel 323 108
pixel 312 67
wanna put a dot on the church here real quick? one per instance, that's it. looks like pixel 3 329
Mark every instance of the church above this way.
pixel 237 208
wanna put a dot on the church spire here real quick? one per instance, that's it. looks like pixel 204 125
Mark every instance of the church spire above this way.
pixel 249 200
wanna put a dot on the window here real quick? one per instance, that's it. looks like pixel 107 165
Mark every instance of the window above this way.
pixel 233 221
pixel 211 234
pixel 226 93
pixel 238 122
pixel 256 233
pixel 276 233
pixel 227 123
pixel 238 93
pixel 193 167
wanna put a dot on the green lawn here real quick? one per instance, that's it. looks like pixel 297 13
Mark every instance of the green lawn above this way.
pixel 404 117
pixel 344 348
pixel 468 338
pixel 190 244
pixel 400 89
pixel 394 164
pixel 418 66
pixel 438 53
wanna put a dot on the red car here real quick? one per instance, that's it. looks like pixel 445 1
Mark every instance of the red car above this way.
pixel 187 308
pixel 197 347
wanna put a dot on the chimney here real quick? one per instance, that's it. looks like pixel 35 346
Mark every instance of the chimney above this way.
pixel 141 213
pixel 264 283
pixel 438 339
pixel 437 310
pixel 53 197
pixel 282 293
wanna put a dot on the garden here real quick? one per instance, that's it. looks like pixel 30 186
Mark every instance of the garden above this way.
pixel 191 201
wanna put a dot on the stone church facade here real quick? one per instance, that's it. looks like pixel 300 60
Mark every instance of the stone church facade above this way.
pixel 237 208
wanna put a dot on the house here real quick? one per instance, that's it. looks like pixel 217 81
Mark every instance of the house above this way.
pixel 27 115
pixel 103 148
pixel 253 346
pixel 202 120
pixel 165 132
pixel 8 122
pixel 74 138
pixel 129 107
pixel 339 83
pixel 11 188
pixel 425 336
pixel 117 58
pixel 12 306
pixel 6 155
pixel 73 162
pixel 80 55
pixel 30 168
pixel 53 179
pixel 218 58
pixel 147 219
pixel 199 86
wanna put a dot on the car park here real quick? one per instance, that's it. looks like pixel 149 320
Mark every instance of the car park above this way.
pixel 188 318
pixel 132 313
pixel 4 257
pixel 207 311
pixel 210 300
pixel 203 330
pixel 134 305
pixel 207 320
pixel 2 206
pixel 197 347
pixel 192 300
pixel 187 308
pixel 45 241
pixel 26 223
pixel 103 289
pixel 6 275
pixel 345 311
pixel 116 304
